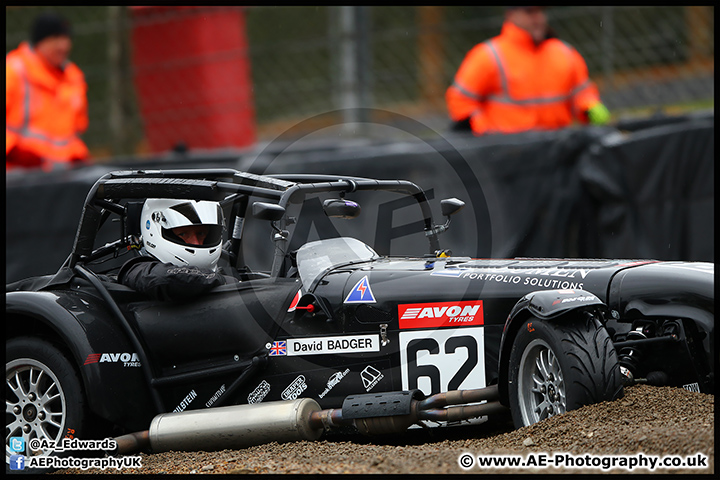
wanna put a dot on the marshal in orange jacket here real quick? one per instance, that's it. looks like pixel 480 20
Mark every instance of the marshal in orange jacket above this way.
pixel 508 84
pixel 45 111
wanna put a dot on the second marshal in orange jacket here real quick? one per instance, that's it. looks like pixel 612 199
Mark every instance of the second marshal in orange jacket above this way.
pixel 45 109
pixel 508 84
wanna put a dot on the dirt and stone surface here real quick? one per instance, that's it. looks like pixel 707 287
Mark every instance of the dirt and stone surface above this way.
pixel 654 421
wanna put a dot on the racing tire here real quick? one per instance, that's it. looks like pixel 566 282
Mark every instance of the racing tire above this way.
pixel 558 366
pixel 44 398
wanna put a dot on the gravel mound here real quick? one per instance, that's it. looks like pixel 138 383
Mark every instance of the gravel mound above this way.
pixel 652 421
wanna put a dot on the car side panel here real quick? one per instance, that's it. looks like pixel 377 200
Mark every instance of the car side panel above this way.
pixel 442 325
pixel 105 359
pixel 670 291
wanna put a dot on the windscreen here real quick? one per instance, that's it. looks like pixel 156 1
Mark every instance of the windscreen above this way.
pixel 315 258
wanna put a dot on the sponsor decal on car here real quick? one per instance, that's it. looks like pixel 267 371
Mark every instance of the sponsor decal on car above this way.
pixel 127 359
pixel 333 380
pixel 442 360
pixel 257 395
pixel 551 283
pixel 370 377
pixel 92 358
pixel 325 345
pixel 295 389
pixel 441 314
pixel 361 292
pixel 533 278
pixel 217 395
pixel 692 387
pixel 186 401
pixel 294 303
pixel 580 298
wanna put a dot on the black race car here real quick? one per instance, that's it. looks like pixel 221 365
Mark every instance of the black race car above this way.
pixel 332 334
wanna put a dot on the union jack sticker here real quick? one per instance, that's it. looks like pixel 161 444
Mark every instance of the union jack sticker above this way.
pixel 278 348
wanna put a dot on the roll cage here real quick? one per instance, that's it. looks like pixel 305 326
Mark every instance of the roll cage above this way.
pixel 227 186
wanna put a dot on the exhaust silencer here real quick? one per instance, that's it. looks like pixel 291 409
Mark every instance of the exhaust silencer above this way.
pixel 237 426
pixel 241 426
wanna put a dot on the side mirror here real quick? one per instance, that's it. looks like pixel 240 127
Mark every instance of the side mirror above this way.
pixel 450 206
pixel 339 208
pixel 267 211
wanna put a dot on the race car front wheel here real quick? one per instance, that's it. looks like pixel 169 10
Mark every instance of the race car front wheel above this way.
pixel 558 366
pixel 43 396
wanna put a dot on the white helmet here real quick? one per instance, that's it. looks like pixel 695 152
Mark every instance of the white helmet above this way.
pixel 160 215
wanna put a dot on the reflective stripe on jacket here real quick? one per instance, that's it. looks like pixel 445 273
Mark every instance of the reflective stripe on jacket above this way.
pixel 45 108
pixel 508 84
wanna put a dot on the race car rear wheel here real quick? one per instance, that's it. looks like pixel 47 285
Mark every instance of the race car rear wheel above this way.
pixel 43 395
pixel 558 366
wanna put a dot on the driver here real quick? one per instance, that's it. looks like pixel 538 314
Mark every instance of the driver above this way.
pixel 180 250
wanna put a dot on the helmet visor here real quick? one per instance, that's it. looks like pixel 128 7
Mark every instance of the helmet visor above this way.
pixel 192 213
pixel 212 239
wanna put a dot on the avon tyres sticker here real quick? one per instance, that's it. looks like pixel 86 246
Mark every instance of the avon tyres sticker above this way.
pixel 126 359
pixel 441 314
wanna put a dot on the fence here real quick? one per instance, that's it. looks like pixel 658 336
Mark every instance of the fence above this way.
pixel 305 61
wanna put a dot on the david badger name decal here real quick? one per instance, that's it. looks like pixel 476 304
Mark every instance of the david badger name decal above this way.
pixel 325 345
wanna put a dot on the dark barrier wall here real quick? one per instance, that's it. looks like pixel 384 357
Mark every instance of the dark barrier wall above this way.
pixel 586 192
pixel 651 194
pixel 523 192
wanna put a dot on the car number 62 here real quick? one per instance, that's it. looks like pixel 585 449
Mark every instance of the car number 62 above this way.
pixel 441 360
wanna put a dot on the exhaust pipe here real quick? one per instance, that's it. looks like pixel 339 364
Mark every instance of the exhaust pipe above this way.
pixel 394 412
pixel 241 426
pixel 236 426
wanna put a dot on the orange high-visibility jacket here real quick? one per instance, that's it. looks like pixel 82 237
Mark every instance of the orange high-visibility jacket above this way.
pixel 45 108
pixel 508 84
